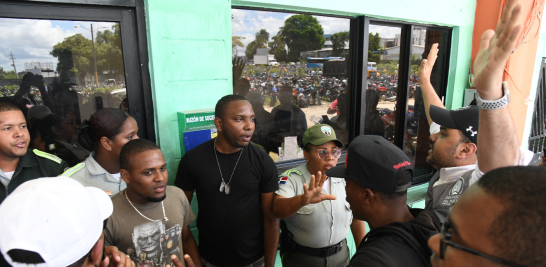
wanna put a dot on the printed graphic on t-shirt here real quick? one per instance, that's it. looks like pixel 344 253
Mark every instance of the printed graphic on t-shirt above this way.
pixel 454 194
pixel 153 245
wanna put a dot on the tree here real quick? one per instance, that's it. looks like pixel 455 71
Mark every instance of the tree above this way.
pixel 236 42
pixel 251 50
pixel 374 49
pixel 262 37
pixel 302 33
pixel 278 47
pixel 338 43
pixel 75 54
pixel 260 42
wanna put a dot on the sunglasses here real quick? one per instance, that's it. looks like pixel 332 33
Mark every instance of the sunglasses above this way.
pixel 446 240
pixel 323 153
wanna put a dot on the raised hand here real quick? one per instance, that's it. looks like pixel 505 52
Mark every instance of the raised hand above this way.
pixel 313 192
pixel 238 67
pixel 425 69
pixel 495 49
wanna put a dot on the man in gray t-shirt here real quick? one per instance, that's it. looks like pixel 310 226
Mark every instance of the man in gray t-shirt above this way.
pixel 150 219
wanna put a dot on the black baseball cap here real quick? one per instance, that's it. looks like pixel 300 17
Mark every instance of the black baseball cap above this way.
pixel 465 119
pixel 374 163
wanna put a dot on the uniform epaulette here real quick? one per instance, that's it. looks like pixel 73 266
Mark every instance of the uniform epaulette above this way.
pixel 46 155
pixel 288 172
pixel 73 170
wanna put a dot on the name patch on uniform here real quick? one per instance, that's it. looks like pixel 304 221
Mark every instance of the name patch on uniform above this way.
pixel 283 180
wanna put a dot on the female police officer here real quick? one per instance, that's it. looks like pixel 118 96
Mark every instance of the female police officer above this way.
pixel 316 215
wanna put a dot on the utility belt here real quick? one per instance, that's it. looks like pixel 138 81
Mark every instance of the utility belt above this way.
pixel 288 245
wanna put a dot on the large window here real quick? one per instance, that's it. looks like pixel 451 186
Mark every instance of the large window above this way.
pixel 295 75
pixel 394 104
pixel 64 62
pixel 358 75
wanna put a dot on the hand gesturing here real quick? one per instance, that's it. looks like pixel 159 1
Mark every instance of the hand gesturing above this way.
pixel 495 49
pixel 425 69
pixel 313 192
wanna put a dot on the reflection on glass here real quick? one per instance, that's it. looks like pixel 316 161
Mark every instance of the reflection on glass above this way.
pixel 383 58
pixel 295 75
pixel 62 71
pixel 417 138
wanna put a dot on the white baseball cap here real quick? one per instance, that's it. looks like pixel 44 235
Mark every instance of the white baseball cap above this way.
pixel 57 217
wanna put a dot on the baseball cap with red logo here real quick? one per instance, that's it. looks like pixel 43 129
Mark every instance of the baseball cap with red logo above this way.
pixel 374 163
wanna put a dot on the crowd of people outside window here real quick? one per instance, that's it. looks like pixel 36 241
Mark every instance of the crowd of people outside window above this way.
pixel 94 194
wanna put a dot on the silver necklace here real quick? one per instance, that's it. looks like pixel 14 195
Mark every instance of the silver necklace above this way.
pixel 226 186
pixel 163 206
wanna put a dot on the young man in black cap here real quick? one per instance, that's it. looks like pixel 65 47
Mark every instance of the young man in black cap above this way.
pixel 378 175
pixel 454 134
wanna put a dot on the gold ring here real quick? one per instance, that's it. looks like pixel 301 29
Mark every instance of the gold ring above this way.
pixel 127 255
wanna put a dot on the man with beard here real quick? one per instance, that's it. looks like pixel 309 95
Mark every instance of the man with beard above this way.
pixel 454 149
pixel 235 184
pixel 146 224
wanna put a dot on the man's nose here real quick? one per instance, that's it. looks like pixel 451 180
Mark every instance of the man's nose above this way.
pixel 434 137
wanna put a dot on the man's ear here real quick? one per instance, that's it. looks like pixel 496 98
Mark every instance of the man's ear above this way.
pixel 106 143
pixel 466 150
pixel 368 196
pixel 124 175
pixel 306 155
pixel 218 123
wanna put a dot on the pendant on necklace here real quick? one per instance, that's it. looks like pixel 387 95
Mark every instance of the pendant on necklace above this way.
pixel 165 218
pixel 227 189
pixel 222 185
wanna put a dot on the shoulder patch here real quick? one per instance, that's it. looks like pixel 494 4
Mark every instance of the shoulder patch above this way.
pixel 46 155
pixel 288 172
pixel 73 170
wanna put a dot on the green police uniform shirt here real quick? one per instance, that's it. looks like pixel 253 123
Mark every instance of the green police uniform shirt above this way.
pixel 90 173
pixel 34 164
pixel 316 225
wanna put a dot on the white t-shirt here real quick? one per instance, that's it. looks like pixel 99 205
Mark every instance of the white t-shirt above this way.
pixel 326 185
pixel 9 174
pixel 116 175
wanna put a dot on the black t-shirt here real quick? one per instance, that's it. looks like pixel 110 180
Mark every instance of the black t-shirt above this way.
pixel 231 231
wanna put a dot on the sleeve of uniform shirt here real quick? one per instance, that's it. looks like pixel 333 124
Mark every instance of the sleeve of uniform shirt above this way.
pixel 269 182
pixel 434 128
pixel 288 189
pixel 184 175
pixel 525 157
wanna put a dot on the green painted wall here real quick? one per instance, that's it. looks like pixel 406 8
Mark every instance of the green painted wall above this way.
pixel 190 49
pixel 189 43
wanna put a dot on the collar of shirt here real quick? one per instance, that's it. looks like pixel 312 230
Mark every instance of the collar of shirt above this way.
pixel 26 161
pixel 95 169
pixel 453 173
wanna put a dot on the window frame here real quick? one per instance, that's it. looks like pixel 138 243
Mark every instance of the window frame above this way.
pixel 130 15
pixel 357 67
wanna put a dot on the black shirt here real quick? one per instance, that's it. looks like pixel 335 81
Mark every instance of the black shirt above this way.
pixel 231 231
pixel 400 244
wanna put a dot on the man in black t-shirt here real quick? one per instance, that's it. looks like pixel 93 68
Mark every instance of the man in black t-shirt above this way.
pixel 235 184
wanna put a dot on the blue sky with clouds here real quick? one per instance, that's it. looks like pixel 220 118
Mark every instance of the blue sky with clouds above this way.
pixel 31 40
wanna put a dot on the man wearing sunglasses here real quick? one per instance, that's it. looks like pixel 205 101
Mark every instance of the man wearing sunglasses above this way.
pixel 455 137
pixel 499 221
pixel 316 216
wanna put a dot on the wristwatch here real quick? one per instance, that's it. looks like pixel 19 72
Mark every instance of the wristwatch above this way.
pixel 495 104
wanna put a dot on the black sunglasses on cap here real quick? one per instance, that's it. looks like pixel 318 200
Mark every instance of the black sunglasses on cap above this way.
pixel 446 240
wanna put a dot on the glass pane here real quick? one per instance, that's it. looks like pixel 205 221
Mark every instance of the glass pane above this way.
pixel 63 71
pixel 295 75
pixel 417 137
pixel 383 58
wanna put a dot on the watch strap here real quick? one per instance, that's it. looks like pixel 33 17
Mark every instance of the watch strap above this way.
pixel 495 104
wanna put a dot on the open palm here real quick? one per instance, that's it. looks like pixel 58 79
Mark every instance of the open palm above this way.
pixel 313 192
